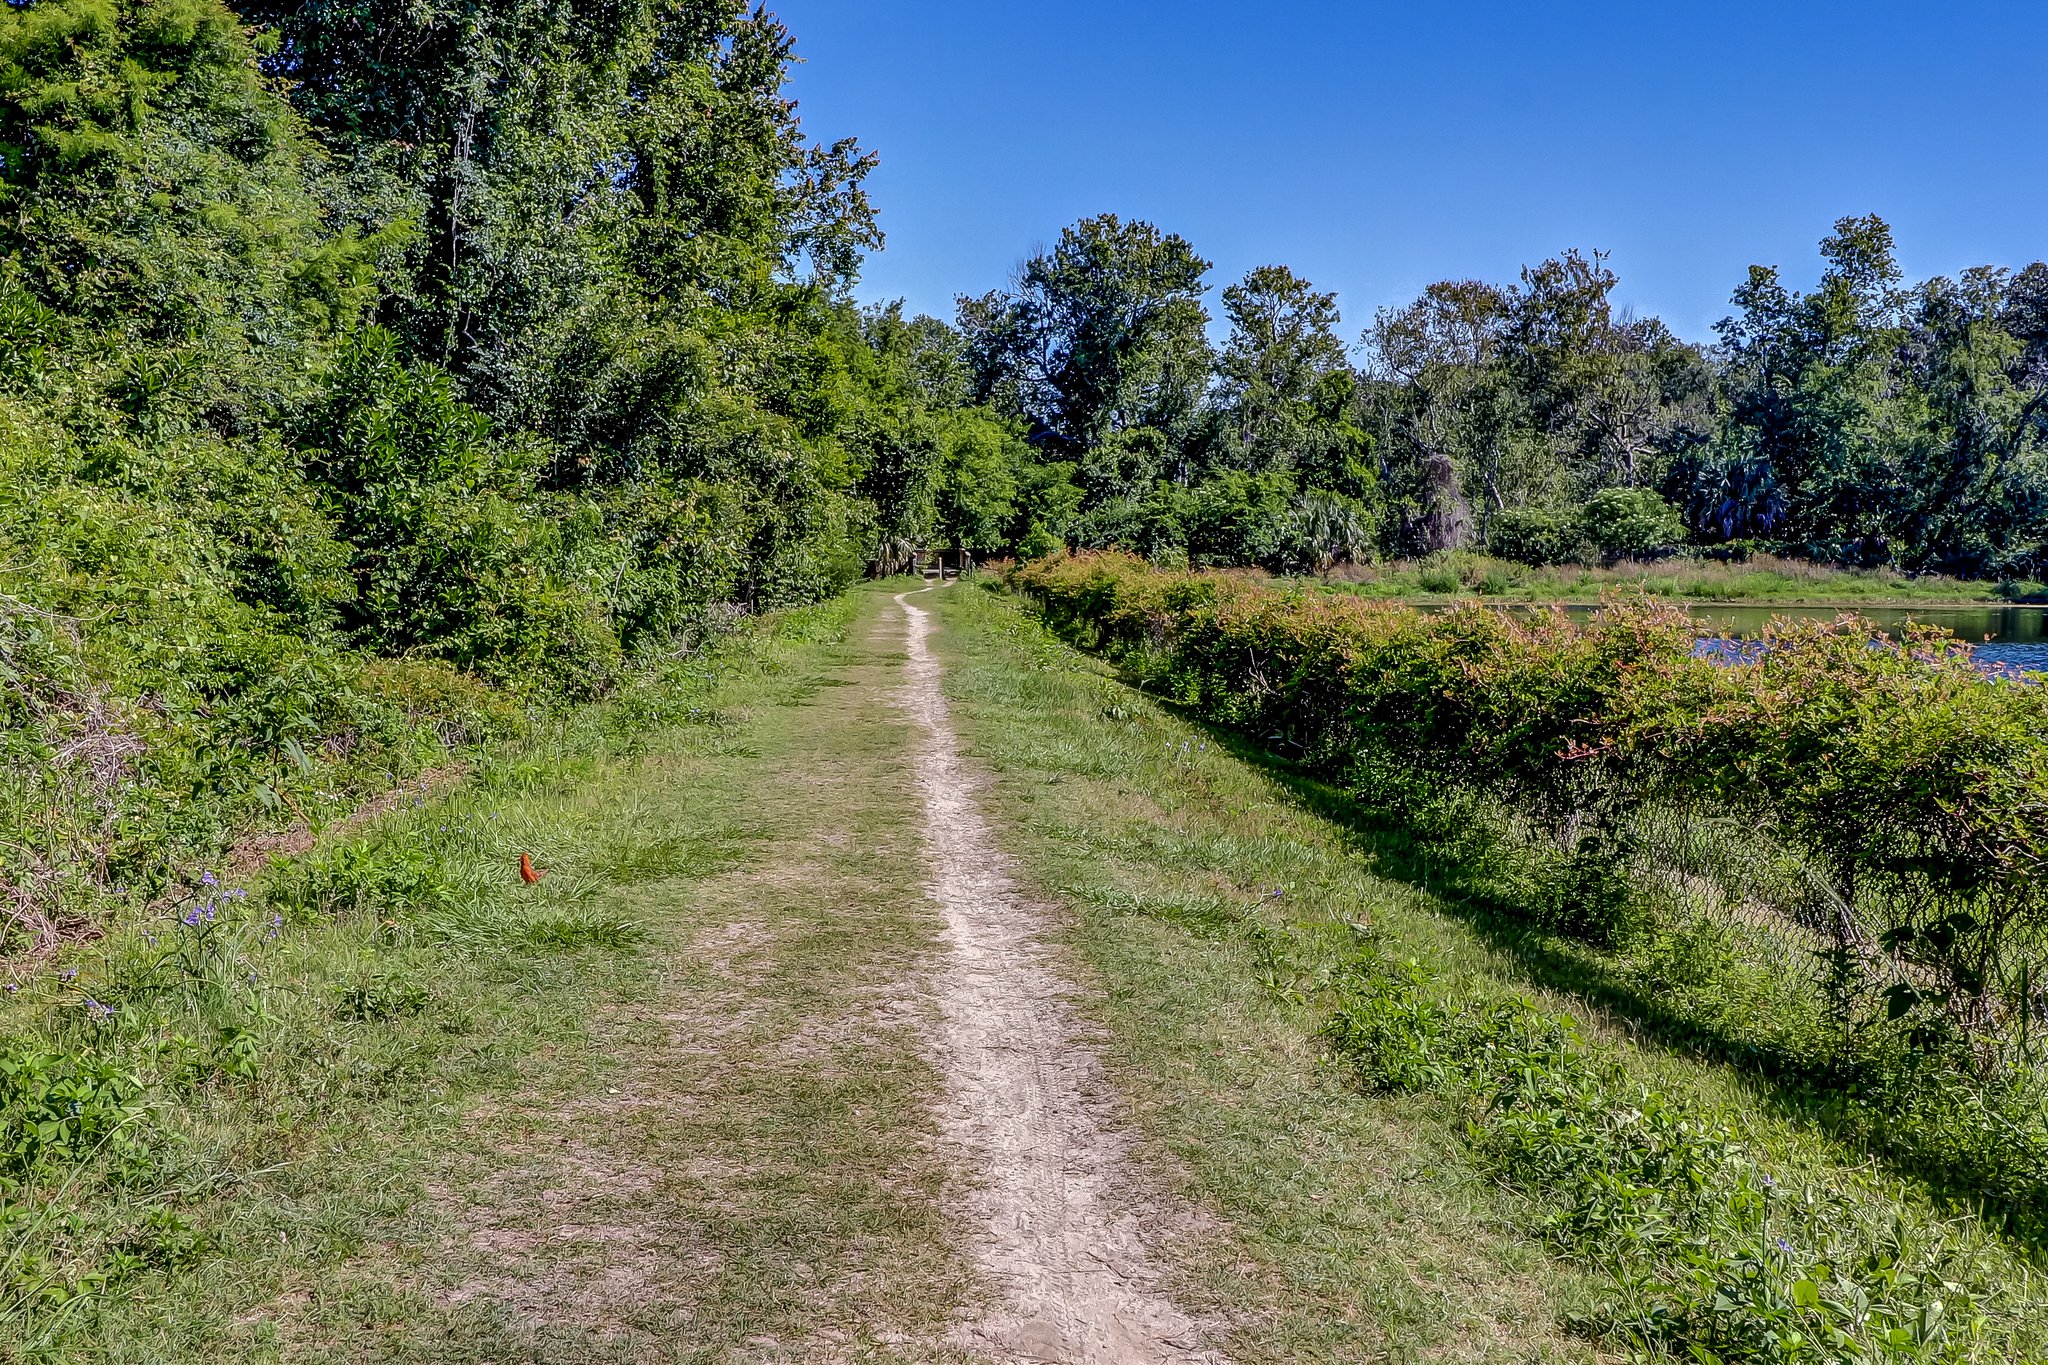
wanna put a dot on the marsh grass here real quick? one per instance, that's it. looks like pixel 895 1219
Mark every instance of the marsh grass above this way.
pixel 1760 578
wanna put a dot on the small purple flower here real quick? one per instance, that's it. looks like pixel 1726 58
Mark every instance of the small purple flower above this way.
pixel 208 879
pixel 1784 1246
pixel 13 986
pixel 68 974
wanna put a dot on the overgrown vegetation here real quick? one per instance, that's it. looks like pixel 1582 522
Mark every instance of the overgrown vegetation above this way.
pixel 1859 816
pixel 358 401
pixel 1713 1218
pixel 1714 1255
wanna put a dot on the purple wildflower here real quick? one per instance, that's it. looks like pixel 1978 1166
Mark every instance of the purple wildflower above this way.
pixel 208 879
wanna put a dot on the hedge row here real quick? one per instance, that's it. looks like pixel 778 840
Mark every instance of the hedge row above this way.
pixel 1914 780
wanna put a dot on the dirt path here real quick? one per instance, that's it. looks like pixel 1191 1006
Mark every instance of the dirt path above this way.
pixel 839 1110
pixel 1027 1106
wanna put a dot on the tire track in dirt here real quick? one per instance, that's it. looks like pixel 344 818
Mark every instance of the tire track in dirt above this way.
pixel 1076 1280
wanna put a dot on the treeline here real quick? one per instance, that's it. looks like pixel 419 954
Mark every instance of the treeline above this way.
pixel 526 328
pixel 372 372
pixel 1866 422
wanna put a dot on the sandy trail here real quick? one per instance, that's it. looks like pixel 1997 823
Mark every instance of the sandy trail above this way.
pixel 1027 1101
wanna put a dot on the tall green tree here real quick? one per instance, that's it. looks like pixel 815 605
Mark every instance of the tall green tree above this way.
pixel 1285 388
pixel 158 192
pixel 1614 396
pixel 1808 376
pixel 1447 416
pixel 1101 341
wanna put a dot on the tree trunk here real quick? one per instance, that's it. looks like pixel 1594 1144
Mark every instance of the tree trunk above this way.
pixel 1446 520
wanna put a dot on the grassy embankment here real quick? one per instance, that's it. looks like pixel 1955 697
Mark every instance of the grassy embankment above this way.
pixel 1765 580
pixel 1237 908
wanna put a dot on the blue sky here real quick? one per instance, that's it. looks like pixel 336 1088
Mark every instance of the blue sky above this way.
pixel 1376 147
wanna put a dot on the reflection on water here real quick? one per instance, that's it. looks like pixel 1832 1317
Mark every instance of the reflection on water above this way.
pixel 2011 637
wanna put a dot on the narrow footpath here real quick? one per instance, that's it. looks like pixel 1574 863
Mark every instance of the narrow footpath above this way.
pixel 849 1114
pixel 1027 1107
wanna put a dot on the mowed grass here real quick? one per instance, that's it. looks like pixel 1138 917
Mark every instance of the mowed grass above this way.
pixel 670 1103
pixel 1212 905
pixel 1342 1228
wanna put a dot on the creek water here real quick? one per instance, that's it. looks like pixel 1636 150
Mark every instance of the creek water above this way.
pixel 2010 637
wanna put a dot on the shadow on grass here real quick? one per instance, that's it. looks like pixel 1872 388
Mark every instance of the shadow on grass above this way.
pixel 1789 1079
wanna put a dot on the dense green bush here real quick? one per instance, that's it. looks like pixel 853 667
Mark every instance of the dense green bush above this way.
pixel 1537 536
pixel 1620 523
pixel 1910 787
pixel 1234 518
pixel 1628 523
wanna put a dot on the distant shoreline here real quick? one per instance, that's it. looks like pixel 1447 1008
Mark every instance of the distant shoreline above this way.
pixel 1894 603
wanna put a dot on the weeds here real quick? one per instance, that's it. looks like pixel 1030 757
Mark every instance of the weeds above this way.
pixel 1713 1255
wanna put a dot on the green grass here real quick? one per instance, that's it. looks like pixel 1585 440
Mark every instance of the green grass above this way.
pixel 654 1107
pixel 1764 579
pixel 1170 845
pixel 674 1102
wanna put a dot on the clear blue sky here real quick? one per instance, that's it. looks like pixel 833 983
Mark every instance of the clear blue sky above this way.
pixel 1376 147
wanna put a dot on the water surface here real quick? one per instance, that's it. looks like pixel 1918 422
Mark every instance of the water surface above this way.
pixel 2014 637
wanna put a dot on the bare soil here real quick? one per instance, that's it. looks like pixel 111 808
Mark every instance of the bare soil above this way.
pixel 1028 1107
